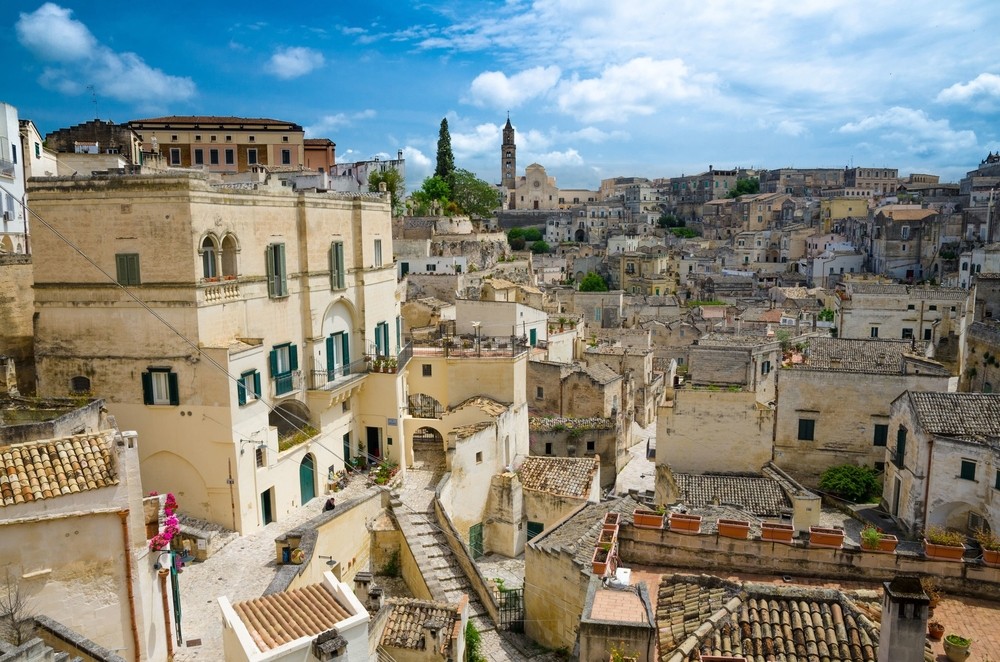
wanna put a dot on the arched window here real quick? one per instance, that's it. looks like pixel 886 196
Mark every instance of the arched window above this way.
pixel 229 252
pixel 79 384
pixel 209 269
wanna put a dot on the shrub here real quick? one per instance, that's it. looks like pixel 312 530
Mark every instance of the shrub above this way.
pixel 851 482
pixel 472 644
pixel 938 536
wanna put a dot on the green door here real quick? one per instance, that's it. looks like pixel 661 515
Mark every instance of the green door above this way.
pixel 476 541
pixel 532 337
pixel 266 516
pixel 307 478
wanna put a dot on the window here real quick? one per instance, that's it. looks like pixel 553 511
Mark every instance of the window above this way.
pixel 590 446
pixel 337 281
pixel 208 266
pixel 426 370
pixel 479 457
pixel 38 150
pixel 213 138
pixel 534 529
pixel 286 157
pixel 283 362
pixel 907 334
pixel 880 467
pixel 159 387
pixel 765 366
pixel 904 232
pixel 230 156
pixel 252 139
pixel 175 156
pixel 874 332
pixel 996 481
pixel 199 157
pixel 548 448
pixel 127 266
pixel 932 307
pixel 881 435
pixel 807 429
pixel 248 387
pixel 900 456
pixel 910 306
pixel 382 339
pixel 213 156
pixel 197 138
pixel 229 139
pixel 378 252
pixel 539 392
pixel 277 284
pixel 79 384
pixel 251 157
pixel 968 470
pixel 260 456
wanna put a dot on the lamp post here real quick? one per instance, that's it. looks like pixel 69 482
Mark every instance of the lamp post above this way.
pixel 174 564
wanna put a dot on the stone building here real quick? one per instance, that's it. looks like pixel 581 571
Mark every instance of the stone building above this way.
pixel 106 137
pixel 13 219
pixel 535 190
pixel 894 310
pixel 229 325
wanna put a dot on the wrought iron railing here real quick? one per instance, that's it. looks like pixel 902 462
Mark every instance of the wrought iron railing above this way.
pixel 323 378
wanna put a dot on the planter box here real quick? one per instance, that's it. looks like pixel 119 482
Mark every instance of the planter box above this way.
pixel 603 561
pixel 822 537
pixel 992 557
pixel 607 537
pixel 683 523
pixel 943 552
pixel 776 532
pixel 647 519
pixel 734 528
pixel 611 521
pixel 886 544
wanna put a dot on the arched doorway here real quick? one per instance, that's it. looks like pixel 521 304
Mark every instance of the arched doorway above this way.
pixel 428 449
pixel 580 235
pixel 307 478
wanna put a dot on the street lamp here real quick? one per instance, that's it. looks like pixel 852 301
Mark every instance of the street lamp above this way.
pixel 176 561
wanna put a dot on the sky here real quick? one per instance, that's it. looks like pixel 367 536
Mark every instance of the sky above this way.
pixel 594 88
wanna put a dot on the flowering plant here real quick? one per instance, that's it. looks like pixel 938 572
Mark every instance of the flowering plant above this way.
pixel 171 526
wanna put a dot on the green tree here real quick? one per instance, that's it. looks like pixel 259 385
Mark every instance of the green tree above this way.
pixel 745 186
pixel 825 315
pixel 532 234
pixel 684 233
pixel 445 168
pixel 434 189
pixel 593 282
pixel 851 482
pixel 515 237
pixel 393 183
pixel 540 246
pixel 475 197
pixel 669 221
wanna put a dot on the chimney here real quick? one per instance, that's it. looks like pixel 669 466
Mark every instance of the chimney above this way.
pixel 362 582
pixel 432 641
pixel 375 599
pixel 904 621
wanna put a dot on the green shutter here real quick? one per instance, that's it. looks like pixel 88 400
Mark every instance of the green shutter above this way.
pixel 147 388
pixel 331 355
pixel 337 265
pixel 341 267
pixel 256 384
pixel 133 268
pixel 175 394
pixel 272 363
pixel 293 357
pixel 121 266
pixel 241 391
pixel 270 273
pixel 281 282
pixel 345 351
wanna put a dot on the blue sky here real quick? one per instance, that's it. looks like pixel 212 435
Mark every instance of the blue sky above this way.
pixel 595 88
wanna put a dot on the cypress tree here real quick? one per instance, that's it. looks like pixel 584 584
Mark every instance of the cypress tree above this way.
pixel 445 159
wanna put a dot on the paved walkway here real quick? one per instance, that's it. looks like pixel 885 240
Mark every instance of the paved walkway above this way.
pixel 639 474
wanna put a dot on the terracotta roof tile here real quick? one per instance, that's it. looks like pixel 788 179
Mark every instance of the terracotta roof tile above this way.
pixel 55 467
pixel 209 120
pixel 279 618
pixel 404 627
pixel 565 476
pixel 757 494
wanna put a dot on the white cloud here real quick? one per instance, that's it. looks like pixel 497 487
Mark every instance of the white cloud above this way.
pixel 982 92
pixel 791 128
pixel 484 138
pixel 497 90
pixel 914 131
pixel 418 165
pixel 594 135
pixel 330 123
pixel 569 157
pixel 50 33
pixel 641 86
pixel 294 61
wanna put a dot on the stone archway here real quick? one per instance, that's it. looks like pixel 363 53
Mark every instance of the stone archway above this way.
pixel 290 417
pixel 428 448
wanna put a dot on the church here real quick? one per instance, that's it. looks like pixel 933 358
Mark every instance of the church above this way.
pixel 535 190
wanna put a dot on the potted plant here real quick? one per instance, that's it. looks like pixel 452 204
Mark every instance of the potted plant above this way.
pixel 943 545
pixel 733 528
pixel 930 587
pixel 603 560
pixel 875 541
pixel 990 543
pixel 957 647
pixel 607 537
pixel 821 536
pixel 391 364
pixel 685 523
pixel 935 631
pixel 647 519
pixel 776 532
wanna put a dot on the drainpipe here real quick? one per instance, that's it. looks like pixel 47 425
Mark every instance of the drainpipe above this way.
pixel 166 612
pixel 927 483
pixel 127 542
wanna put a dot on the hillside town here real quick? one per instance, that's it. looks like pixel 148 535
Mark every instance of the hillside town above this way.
pixel 263 404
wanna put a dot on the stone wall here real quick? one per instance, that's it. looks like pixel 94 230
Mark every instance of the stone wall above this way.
pixel 439 286
pixel 17 305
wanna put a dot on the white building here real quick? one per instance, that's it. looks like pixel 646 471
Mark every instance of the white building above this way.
pixel 13 222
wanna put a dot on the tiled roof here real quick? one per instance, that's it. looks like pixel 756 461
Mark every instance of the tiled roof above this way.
pixel 701 615
pixel 878 288
pixel 566 476
pixel 745 340
pixel 216 119
pixel 55 467
pixel 404 627
pixel 968 416
pixel 279 618
pixel 318 142
pixel 870 355
pixel 906 212
pixel 600 373
pixel 757 494
pixel 577 535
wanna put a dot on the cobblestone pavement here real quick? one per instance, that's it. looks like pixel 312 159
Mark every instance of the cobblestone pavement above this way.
pixel 241 570
pixel 639 474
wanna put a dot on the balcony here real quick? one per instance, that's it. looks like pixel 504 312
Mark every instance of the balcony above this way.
pixel 325 380
pixel 7 168
pixel 287 382
pixel 469 346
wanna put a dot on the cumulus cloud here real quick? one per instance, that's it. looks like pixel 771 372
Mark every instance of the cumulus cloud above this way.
pixel 790 128
pixel 329 123
pixel 641 86
pixel 497 90
pixel 914 131
pixel 982 92
pixel 294 61
pixel 569 157
pixel 52 34
pixel 484 138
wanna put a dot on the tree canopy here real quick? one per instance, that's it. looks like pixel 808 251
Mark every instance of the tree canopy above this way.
pixel 541 246
pixel 669 221
pixel 445 168
pixel 474 196
pixel 434 189
pixel 593 282
pixel 394 183
pixel 744 186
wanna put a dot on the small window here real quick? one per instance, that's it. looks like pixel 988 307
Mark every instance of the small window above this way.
pixel 127 267
pixel 199 157
pixel 230 157
pixel 251 157
pixel 881 437
pixel 175 156
pixel 213 156
pixel 479 457
pixel 807 429
pixel 874 332
pixel 248 387
pixel 907 334
pixel 932 307
pixel 590 446
pixel 426 370
pixel 213 139
pixel 378 252
pixel 229 139
pixel 996 480
pixel 284 139
pixel 260 455
pixel 79 385
pixel 880 467
pixel 159 387
pixel 539 392
pixel 286 157
pixel 197 138
pixel 277 283
pixel 252 139
pixel 968 470
pixel 910 306
pixel 548 448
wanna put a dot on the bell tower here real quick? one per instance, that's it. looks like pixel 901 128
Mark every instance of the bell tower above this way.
pixel 508 157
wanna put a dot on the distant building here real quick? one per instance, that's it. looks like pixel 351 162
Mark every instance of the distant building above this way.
pixel 13 220
pixel 97 137
pixel 353 177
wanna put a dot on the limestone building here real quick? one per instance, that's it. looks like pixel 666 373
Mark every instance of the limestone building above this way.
pixel 229 325
pixel 13 222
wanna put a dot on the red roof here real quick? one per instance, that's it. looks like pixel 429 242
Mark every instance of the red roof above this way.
pixel 205 121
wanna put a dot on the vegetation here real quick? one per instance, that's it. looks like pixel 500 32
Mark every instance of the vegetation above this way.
pixel 987 540
pixel 541 246
pixel 870 537
pixel 684 233
pixel 851 482
pixel 956 640
pixel 473 643
pixel 392 565
pixel 445 168
pixel 394 184
pixel 385 471
pixel 938 536
pixel 825 315
pixel 475 197
pixel 705 302
pixel 16 619
pixel 620 654
pixel 744 187
pixel 304 434
pixel 434 189
pixel 669 221
pixel 593 282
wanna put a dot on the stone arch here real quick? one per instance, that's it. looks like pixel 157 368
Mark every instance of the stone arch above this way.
pixel 341 346
pixel 428 447
pixel 580 235
pixel 289 417
pixel 6 245
pixel 166 471
pixel 951 515
pixel 79 384
pixel 208 249
pixel 228 252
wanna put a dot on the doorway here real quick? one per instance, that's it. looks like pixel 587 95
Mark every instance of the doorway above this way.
pixel 476 541
pixel 266 506
pixel 374 437
pixel 307 478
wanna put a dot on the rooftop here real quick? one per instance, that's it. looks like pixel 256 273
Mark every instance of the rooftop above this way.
pixel 563 476
pixel 755 493
pixel 577 534
pixel 404 627
pixel 279 618
pixel 56 467
pixel 208 120
pixel 973 417
pixel 745 340
pixel 869 355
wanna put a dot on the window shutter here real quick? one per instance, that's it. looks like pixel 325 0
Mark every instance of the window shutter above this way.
pixel 241 391
pixel 272 363
pixel 175 393
pixel 133 269
pixel 121 266
pixel 333 266
pixel 345 351
pixel 293 357
pixel 331 354
pixel 147 388
pixel 256 384
pixel 341 282
pixel 270 273
pixel 281 284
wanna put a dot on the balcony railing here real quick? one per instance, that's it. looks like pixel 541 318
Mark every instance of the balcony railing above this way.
pixel 471 346
pixel 287 382
pixel 322 379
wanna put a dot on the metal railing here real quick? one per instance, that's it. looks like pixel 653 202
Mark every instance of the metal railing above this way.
pixel 471 346
pixel 323 378
pixel 287 382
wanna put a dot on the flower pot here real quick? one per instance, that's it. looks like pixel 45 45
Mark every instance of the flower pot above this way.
pixel 612 520
pixel 603 561
pixel 733 528
pixel 823 537
pixel 684 523
pixel 776 532
pixel 992 557
pixel 935 631
pixel 607 537
pixel 956 649
pixel 886 544
pixel 647 519
pixel 943 552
